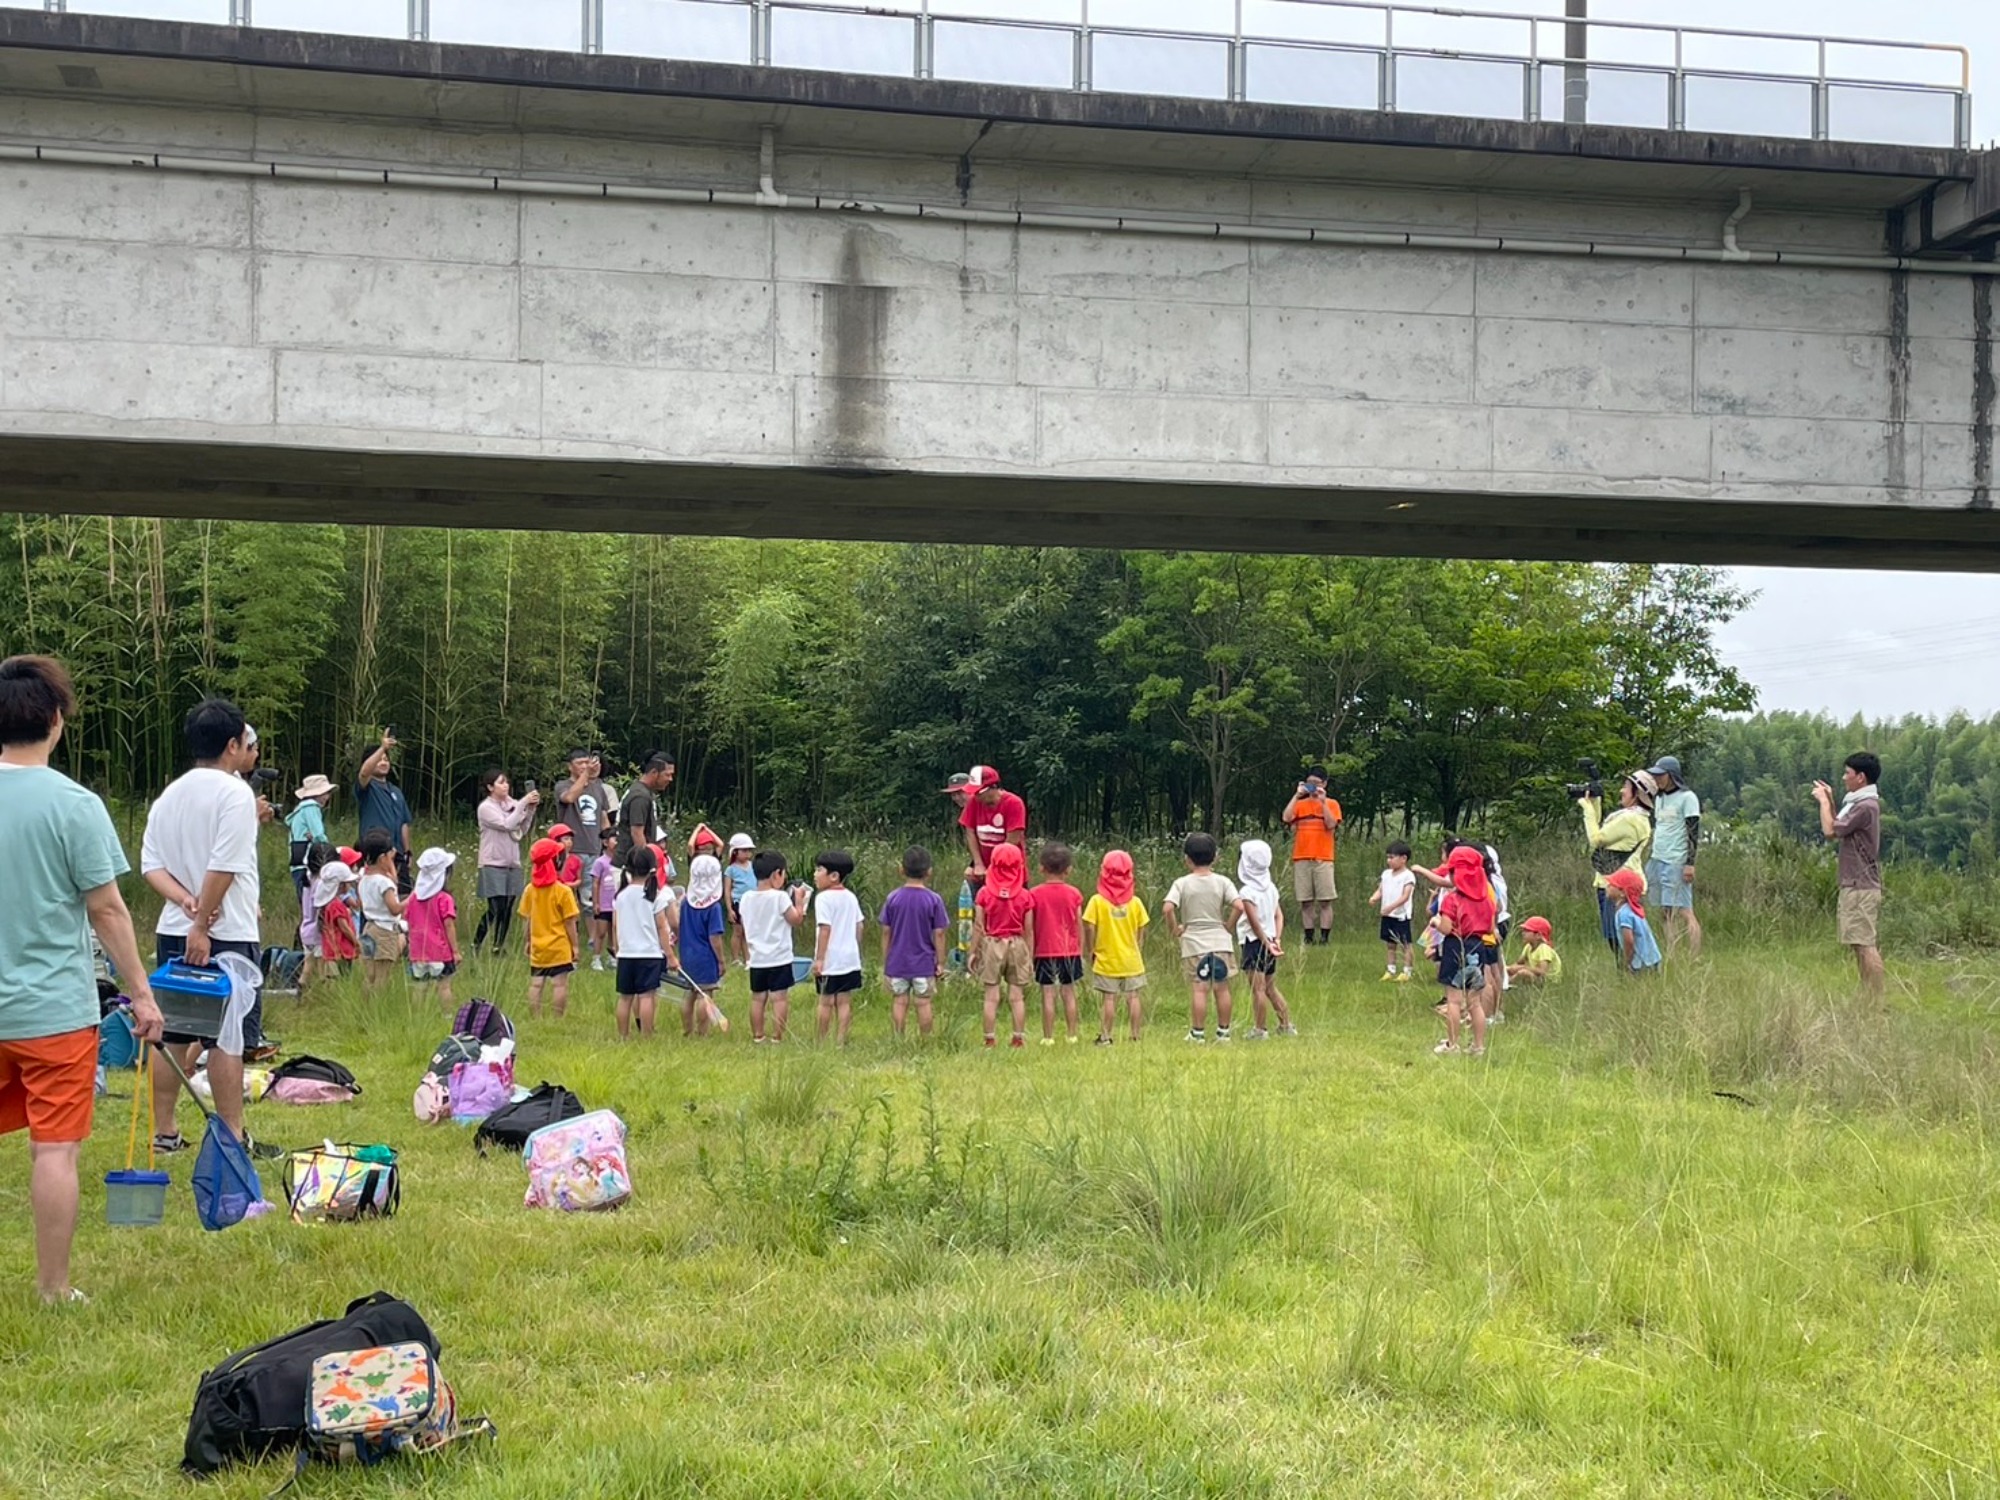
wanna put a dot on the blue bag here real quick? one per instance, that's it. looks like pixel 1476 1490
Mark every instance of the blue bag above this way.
pixel 225 1179
pixel 117 1045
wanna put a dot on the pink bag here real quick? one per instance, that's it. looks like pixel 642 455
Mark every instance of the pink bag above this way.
pixel 308 1091
pixel 429 1102
pixel 479 1088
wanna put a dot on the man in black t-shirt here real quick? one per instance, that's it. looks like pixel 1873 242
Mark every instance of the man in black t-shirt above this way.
pixel 639 814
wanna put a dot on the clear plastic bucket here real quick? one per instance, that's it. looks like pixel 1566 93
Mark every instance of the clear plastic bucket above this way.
pixel 134 1197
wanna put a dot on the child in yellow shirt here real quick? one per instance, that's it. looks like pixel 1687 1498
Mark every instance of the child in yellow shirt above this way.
pixel 1114 920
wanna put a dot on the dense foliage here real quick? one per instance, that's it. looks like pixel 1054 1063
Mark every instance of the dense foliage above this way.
pixel 803 681
pixel 1940 782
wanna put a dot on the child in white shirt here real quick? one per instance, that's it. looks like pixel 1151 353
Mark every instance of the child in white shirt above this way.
pixel 837 947
pixel 1395 894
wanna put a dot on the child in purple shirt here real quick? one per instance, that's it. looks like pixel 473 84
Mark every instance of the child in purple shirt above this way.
pixel 915 920
pixel 604 881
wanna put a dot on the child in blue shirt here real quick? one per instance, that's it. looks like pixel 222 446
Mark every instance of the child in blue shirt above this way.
pixel 1638 951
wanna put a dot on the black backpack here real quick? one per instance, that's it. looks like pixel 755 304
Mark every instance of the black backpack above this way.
pixel 255 1400
pixel 510 1127
pixel 484 1020
pixel 317 1069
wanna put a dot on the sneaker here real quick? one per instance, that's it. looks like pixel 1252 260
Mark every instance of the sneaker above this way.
pixel 1288 1031
pixel 1104 1041
pixel 1197 1036
pixel 597 965
pixel 1443 1049
pixel 1406 976
pixel 1495 1019
pixel 1048 1041
pixel 989 1041
pixel 262 1150
pixel 1388 978
pixel 1072 1039
pixel 69 1296
pixel 167 1145
pixel 1475 1051
pixel 756 1041
pixel 1222 1033
pixel 1017 1040
pixel 262 1052
pixel 1255 1034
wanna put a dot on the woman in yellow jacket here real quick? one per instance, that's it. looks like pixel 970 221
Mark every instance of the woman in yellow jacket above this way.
pixel 1619 841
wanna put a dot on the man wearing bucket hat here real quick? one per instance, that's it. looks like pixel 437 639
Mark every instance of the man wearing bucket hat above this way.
pixel 63 864
pixel 1670 866
pixel 1618 841
pixel 993 816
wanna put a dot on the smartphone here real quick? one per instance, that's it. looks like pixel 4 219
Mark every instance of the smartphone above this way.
pixel 388 731
pixel 531 785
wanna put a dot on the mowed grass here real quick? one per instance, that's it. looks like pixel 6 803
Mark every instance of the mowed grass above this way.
pixel 1730 1234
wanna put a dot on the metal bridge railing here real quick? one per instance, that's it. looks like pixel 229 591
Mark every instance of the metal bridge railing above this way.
pixel 1367 54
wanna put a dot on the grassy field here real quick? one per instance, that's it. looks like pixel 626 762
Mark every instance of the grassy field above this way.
pixel 1732 1234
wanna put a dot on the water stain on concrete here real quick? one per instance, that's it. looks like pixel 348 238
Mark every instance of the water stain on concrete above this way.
pixel 1982 393
pixel 854 328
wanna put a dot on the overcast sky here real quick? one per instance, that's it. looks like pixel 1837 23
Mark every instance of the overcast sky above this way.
pixel 1875 643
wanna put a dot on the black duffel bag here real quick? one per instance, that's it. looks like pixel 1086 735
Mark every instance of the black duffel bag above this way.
pixel 510 1126
pixel 255 1400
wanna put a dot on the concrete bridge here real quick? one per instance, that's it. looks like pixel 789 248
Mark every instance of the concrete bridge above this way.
pixel 254 273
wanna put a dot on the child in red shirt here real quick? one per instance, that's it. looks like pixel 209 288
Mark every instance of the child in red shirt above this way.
pixel 1466 917
pixel 1058 908
pixel 339 944
pixel 1003 923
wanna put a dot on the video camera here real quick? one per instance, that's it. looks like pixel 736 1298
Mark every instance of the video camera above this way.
pixel 262 777
pixel 1591 786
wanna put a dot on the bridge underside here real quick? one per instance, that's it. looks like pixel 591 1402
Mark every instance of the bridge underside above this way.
pixel 228 481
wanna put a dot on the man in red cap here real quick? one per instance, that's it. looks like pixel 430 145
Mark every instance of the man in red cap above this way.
pixel 992 817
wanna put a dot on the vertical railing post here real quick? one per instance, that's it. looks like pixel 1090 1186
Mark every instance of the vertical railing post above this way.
pixel 1531 76
pixel 926 42
pixel 1819 98
pixel 760 33
pixel 1080 69
pixel 58 6
pixel 593 26
pixel 1677 88
pixel 239 12
pixel 1385 78
pixel 1239 59
pixel 420 20
pixel 1962 121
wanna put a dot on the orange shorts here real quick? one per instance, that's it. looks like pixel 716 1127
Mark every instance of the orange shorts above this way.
pixel 48 1085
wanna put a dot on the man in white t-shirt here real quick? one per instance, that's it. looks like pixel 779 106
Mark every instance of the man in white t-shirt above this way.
pixel 200 853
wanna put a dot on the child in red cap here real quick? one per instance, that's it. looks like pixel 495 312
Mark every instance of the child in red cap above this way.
pixel 1466 916
pixel 1540 963
pixel 1638 949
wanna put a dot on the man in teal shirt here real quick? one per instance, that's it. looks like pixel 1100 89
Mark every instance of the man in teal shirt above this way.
pixel 63 863
pixel 1670 867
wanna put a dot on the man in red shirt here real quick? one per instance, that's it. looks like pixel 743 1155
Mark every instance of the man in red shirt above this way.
pixel 992 817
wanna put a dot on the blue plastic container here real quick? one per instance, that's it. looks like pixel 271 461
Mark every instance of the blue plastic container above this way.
pixel 117 1045
pixel 191 998
pixel 134 1198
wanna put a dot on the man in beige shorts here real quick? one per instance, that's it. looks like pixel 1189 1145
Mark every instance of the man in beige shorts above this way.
pixel 1314 819
pixel 1858 827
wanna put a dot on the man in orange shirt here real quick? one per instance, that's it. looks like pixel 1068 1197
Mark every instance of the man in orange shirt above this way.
pixel 1314 819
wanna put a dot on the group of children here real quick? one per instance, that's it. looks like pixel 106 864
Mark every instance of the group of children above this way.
pixel 380 927
pixel 1047 934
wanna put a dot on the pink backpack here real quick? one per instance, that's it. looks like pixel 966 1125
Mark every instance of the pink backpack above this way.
pixel 479 1088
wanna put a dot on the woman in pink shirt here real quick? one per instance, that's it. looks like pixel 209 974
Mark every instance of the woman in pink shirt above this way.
pixel 502 822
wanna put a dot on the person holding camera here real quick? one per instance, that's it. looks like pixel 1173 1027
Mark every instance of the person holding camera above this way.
pixel 1619 841
pixel 1314 819
pixel 1857 827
